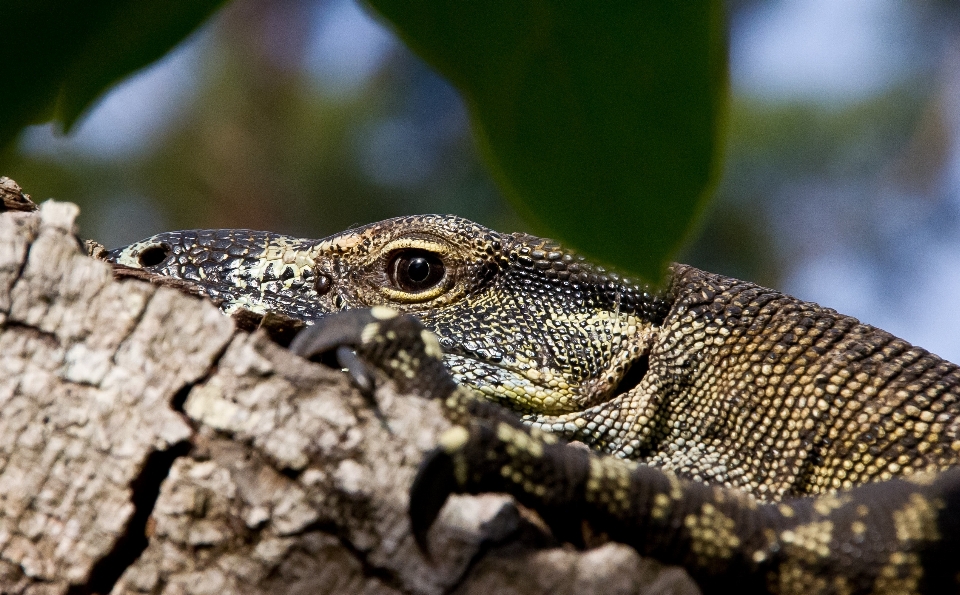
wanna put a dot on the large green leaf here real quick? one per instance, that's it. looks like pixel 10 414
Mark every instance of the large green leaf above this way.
pixel 58 56
pixel 600 120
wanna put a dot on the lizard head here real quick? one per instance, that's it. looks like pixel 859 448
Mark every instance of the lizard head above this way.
pixel 525 322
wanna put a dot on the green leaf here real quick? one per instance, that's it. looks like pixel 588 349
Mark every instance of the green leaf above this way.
pixel 60 56
pixel 600 121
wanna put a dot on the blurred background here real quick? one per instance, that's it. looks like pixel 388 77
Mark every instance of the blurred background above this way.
pixel 841 183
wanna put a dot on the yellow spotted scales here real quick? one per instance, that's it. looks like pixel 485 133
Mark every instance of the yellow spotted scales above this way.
pixel 775 402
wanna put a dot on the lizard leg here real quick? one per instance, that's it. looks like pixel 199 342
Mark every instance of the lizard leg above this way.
pixel 896 536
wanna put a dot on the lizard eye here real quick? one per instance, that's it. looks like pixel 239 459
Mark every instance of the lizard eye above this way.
pixel 154 255
pixel 415 270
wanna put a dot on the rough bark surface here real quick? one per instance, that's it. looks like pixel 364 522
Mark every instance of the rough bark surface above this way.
pixel 149 446
pixel 12 197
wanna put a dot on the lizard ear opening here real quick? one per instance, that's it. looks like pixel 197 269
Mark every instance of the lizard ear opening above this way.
pixel 638 369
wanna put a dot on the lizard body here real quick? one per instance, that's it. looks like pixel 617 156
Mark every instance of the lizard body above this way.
pixel 728 382
pixel 712 379
pixel 898 536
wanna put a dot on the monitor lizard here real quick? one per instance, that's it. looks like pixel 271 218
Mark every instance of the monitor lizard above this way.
pixel 731 428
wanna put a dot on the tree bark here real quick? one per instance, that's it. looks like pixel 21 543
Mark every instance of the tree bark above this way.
pixel 147 445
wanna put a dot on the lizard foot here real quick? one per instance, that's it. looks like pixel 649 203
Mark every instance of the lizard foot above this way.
pixel 379 338
pixel 399 346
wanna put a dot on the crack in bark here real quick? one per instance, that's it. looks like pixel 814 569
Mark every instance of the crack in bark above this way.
pixel 145 490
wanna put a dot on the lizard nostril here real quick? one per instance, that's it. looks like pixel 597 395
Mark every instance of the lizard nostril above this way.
pixel 322 284
pixel 154 255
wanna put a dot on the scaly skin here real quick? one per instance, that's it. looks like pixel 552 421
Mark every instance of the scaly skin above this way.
pixel 738 385
pixel 896 536
pixel 712 379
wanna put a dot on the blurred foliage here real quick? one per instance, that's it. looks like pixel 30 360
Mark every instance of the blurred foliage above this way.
pixel 265 149
pixel 799 179
pixel 60 56
pixel 602 125
pixel 263 141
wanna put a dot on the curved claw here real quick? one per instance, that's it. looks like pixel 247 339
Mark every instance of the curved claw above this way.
pixel 434 483
pixel 331 332
pixel 396 344
pixel 360 375
pixel 342 333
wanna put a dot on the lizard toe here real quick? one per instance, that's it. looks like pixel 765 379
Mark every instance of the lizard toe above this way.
pixel 332 331
pixel 434 483
pixel 379 338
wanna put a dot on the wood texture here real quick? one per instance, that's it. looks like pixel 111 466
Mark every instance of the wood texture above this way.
pixel 149 446
pixel 12 197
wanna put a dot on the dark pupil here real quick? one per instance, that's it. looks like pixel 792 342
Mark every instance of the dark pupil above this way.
pixel 418 269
